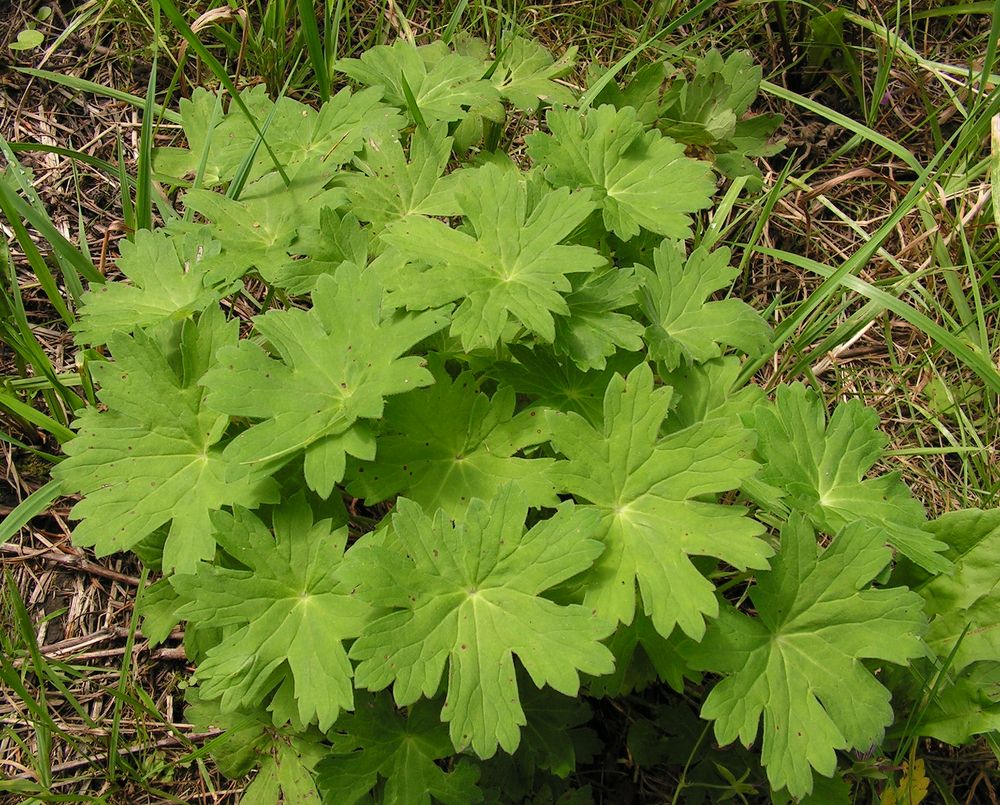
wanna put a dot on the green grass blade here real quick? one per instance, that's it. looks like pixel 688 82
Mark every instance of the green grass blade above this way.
pixel 178 21
pixel 848 123
pixel 82 85
pixel 314 45
pixel 61 433
pixel 33 505
pixel 144 182
pixel 971 357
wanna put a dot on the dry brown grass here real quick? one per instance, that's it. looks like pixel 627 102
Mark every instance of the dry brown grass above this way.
pixel 82 607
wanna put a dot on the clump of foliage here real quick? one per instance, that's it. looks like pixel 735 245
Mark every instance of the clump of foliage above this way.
pixel 475 466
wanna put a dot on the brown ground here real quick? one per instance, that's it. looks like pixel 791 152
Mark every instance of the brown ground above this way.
pixel 81 607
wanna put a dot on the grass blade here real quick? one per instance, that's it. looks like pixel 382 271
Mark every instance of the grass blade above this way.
pixel 314 44
pixel 972 358
pixel 33 505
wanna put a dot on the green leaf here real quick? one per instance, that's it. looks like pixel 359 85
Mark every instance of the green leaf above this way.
pixel 642 657
pixel 965 706
pixel 336 363
pixel 291 614
pixel 154 457
pixel 550 382
pixel 28 39
pixel 641 179
pixel 261 229
pixel 173 276
pixel 685 327
pixel 525 71
pixel 799 663
pixel 593 331
pixel 556 736
pixel 218 142
pixel 390 188
pixel 468 594
pixel 377 743
pixel 969 594
pixel 284 758
pixel 507 265
pixel 655 500
pixel 447 444
pixel 822 467
pixel 711 390
pixel 709 110
pixel 443 83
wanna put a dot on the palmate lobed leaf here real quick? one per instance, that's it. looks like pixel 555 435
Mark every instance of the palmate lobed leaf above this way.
pixel 445 445
pixel 154 456
pixel 640 178
pixel 524 74
pixel 218 141
pixel 443 84
pixel 390 187
pixel 377 743
pixel 508 265
pixel 650 493
pixel 686 327
pixel 968 596
pixel 799 663
pixel 291 612
pixel 467 594
pixel 821 466
pixel 336 364
pixel 173 276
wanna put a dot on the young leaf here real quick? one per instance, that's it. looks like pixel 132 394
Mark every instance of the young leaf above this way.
pixel 525 71
pixel 650 493
pixel 377 742
pixel 154 456
pixel 822 466
pixel 218 142
pixel 261 228
pixel 593 331
pixel 443 83
pixel 558 384
pixel 468 594
pixel 709 110
pixel 390 188
pixel 967 597
pixel 336 364
pixel 509 264
pixel 686 327
pixel 292 616
pixel 173 276
pixel 449 443
pixel 641 178
pixel 799 662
